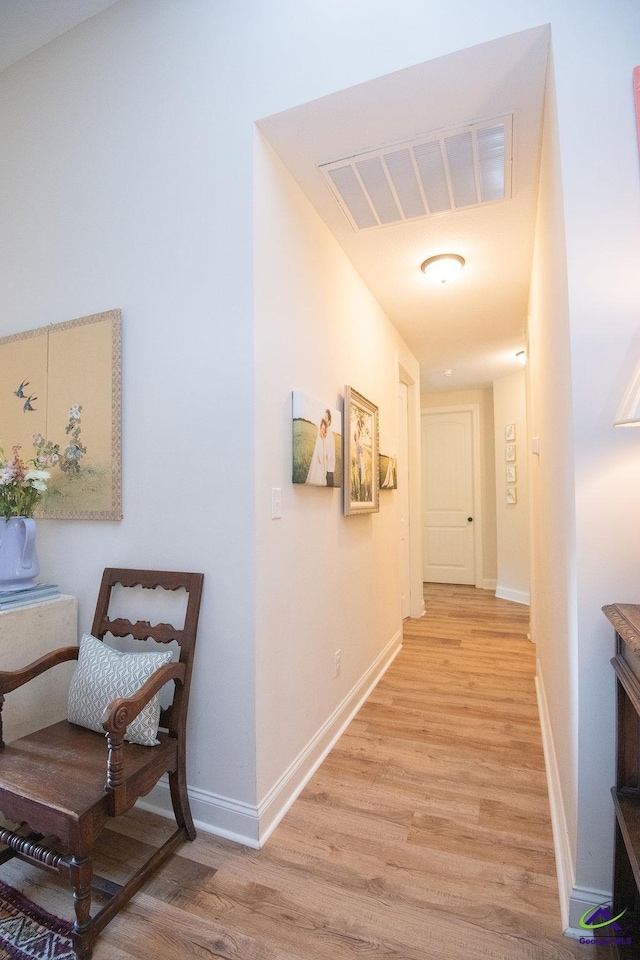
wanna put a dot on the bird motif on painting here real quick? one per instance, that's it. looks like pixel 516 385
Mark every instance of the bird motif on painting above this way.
pixel 20 391
pixel 26 407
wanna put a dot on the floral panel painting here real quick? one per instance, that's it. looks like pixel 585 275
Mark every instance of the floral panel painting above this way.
pixel 317 442
pixel 60 404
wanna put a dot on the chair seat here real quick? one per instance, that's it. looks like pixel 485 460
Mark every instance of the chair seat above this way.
pixel 62 768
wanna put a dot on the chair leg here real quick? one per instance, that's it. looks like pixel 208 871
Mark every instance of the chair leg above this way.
pixel 180 799
pixel 81 871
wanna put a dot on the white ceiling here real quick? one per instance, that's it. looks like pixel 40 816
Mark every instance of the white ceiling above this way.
pixel 475 326
pixel 26 25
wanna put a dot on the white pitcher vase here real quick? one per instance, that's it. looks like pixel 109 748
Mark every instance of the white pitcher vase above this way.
pixel 18 560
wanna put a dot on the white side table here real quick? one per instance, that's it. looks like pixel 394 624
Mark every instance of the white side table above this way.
pixel 26 634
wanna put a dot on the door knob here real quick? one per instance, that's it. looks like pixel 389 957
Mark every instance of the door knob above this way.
pixel 469 519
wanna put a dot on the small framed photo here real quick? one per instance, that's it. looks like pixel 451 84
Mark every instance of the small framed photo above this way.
pixel 510 432
pixel 512 495
pixel 361 450
pixel 387 464
pixel 510 453
pixel 510 474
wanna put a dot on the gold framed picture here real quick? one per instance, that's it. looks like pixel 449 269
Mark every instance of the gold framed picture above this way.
pixel 61 404
pixel 360 459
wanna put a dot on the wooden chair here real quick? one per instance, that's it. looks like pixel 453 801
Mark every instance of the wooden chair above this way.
pixel 64 782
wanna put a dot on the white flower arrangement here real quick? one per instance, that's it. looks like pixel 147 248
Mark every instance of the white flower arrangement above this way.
pixel 22 485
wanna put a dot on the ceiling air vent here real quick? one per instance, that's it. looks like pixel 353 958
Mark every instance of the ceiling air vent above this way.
pixel 432 174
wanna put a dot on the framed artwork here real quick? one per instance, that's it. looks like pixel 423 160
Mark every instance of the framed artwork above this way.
pixel 510 452
pixel 512 496
pixel 360 459
pixel 387 464
pixel 60 389
pixel 510 432
pixel 317 442
pixel 510 472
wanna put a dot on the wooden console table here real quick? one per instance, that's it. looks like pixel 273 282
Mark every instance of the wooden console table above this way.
pixel 26 634
pixel 625 618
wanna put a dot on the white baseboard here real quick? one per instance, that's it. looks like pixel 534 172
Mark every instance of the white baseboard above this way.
pixel 583 899
pixel 277 801
pixel 574 900
pixel 253 825
pixel 561 844
pixel 211 813
pixel 516 596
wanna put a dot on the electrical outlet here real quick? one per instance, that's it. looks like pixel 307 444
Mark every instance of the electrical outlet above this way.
pixel 338 662
pixel 276 503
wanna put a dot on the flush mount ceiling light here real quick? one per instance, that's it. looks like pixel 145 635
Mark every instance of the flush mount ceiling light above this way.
pixel 443 267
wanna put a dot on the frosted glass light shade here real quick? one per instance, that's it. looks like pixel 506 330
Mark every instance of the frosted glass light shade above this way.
pixel 628 414
pixel 443 267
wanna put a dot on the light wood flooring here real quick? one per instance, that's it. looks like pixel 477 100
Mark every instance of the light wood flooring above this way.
pixel 425 835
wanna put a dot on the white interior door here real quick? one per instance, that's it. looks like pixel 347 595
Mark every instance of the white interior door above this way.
pixel 448 497
pixel 403 492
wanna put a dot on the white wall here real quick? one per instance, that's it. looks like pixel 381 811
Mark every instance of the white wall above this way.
pixel 512 519
pixel 126 180
pixel 584 342
pixel 604 348
pixel 324 581
pixel 111 174
pixel 553 607
pixel 484 400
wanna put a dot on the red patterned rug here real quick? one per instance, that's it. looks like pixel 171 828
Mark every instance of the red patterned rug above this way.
pixel 27 932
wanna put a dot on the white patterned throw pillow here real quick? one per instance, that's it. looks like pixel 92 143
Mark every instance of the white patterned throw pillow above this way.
pixel 102 675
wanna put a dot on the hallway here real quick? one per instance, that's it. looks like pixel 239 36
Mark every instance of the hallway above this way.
pixel 425 835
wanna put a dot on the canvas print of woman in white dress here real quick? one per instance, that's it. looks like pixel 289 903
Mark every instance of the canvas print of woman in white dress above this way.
pixel 317 442
pixel 318 469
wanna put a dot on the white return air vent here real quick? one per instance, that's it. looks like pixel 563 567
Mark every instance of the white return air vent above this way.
pixel 435 173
